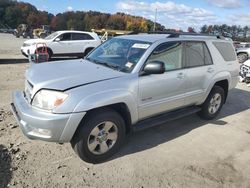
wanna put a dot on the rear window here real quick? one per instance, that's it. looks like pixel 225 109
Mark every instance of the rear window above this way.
pixel 81 36
pixel 226 50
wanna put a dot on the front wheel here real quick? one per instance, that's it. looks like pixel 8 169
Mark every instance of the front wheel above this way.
pixel 213 104
pixel 99 136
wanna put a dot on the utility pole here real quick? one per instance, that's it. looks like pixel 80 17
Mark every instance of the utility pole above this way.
pixel 155 19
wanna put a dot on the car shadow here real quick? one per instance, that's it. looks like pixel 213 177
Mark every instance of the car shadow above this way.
pixel 238 101
pixel 13 61
pixel 5 167
pixel 25 60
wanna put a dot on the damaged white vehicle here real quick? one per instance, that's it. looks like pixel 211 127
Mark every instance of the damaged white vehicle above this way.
pixel 245 72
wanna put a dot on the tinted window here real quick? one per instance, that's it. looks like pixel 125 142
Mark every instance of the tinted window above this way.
pixel 65 37
pixel 197 54
pixel 194 54
pixel 81 36
pixel 170 54
pixel 247 46
pixel 226 50
pixel 208 58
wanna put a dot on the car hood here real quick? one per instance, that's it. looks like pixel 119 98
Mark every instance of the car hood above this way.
pixel 247 63
pixel 243 49
pixel 35 41
pixel 64 75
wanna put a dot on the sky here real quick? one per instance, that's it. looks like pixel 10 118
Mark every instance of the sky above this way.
pixel 177 14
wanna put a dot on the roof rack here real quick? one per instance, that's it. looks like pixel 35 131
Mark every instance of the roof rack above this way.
pixel 178 34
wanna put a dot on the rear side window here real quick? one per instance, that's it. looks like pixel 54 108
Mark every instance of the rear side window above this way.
pixel 226 50
pixel 197 54
pixel 81 36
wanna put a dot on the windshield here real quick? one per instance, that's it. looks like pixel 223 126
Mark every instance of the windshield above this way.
pixel 119 54
pixel 51 36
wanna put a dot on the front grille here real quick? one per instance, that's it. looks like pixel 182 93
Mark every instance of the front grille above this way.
pixel 244 70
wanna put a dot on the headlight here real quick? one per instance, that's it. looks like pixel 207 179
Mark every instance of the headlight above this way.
pixel 28 44
pixel 48 99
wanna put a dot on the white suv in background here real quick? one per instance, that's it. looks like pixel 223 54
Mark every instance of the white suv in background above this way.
pixel 64 43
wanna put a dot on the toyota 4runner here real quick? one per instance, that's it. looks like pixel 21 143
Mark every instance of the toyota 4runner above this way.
pixel 126 84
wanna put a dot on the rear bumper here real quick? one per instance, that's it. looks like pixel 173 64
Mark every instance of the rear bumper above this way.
pixel 234 82
pixel 41 125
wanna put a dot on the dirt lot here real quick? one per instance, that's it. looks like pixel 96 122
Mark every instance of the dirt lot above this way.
pixel 188 152
pixel 10 46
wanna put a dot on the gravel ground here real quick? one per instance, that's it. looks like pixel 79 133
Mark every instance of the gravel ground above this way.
pixel 10 46
pixel 188 152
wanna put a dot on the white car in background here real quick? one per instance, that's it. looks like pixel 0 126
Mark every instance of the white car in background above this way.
pixel 63 43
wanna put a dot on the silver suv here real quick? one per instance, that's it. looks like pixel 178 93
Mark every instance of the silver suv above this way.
pixel 126 84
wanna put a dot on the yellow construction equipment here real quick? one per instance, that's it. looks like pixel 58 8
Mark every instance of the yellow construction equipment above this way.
pixel 105 34
pixel 42 32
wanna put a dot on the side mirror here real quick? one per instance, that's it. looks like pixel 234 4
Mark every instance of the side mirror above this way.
pixel 154 67
pixel 57 40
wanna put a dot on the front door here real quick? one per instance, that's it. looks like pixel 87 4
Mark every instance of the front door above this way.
pixel 163 92
pixel 63 46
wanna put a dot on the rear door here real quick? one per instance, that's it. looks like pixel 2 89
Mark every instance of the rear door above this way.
pixel 199 69
pixel 80 41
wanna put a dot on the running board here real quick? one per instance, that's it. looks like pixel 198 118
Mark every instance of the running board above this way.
pixel 163 118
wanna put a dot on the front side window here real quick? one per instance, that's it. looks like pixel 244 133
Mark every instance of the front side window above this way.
pixel 119 54
pixel 170 54
pixel 65 37
pixel 197 54
pixel 51 36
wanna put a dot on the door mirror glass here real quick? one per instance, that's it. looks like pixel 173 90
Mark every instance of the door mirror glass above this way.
pixel 154 67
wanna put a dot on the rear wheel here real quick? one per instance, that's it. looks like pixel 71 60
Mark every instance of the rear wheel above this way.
pixel 99 136
pixel 213 104
pixel 87 51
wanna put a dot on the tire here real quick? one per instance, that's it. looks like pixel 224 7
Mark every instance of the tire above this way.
pixel 242 57
pixel 97 149
pixel 87 51
pixel 50 53
pixel 25 35
pixel 213 104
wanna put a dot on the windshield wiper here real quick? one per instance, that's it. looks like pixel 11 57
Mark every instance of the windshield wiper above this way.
pixel 113 66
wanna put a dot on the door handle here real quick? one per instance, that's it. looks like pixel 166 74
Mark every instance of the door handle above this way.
pixel 180 75
pixel 210 70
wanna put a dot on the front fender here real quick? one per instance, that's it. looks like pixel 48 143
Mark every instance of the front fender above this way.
pixel 108 98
